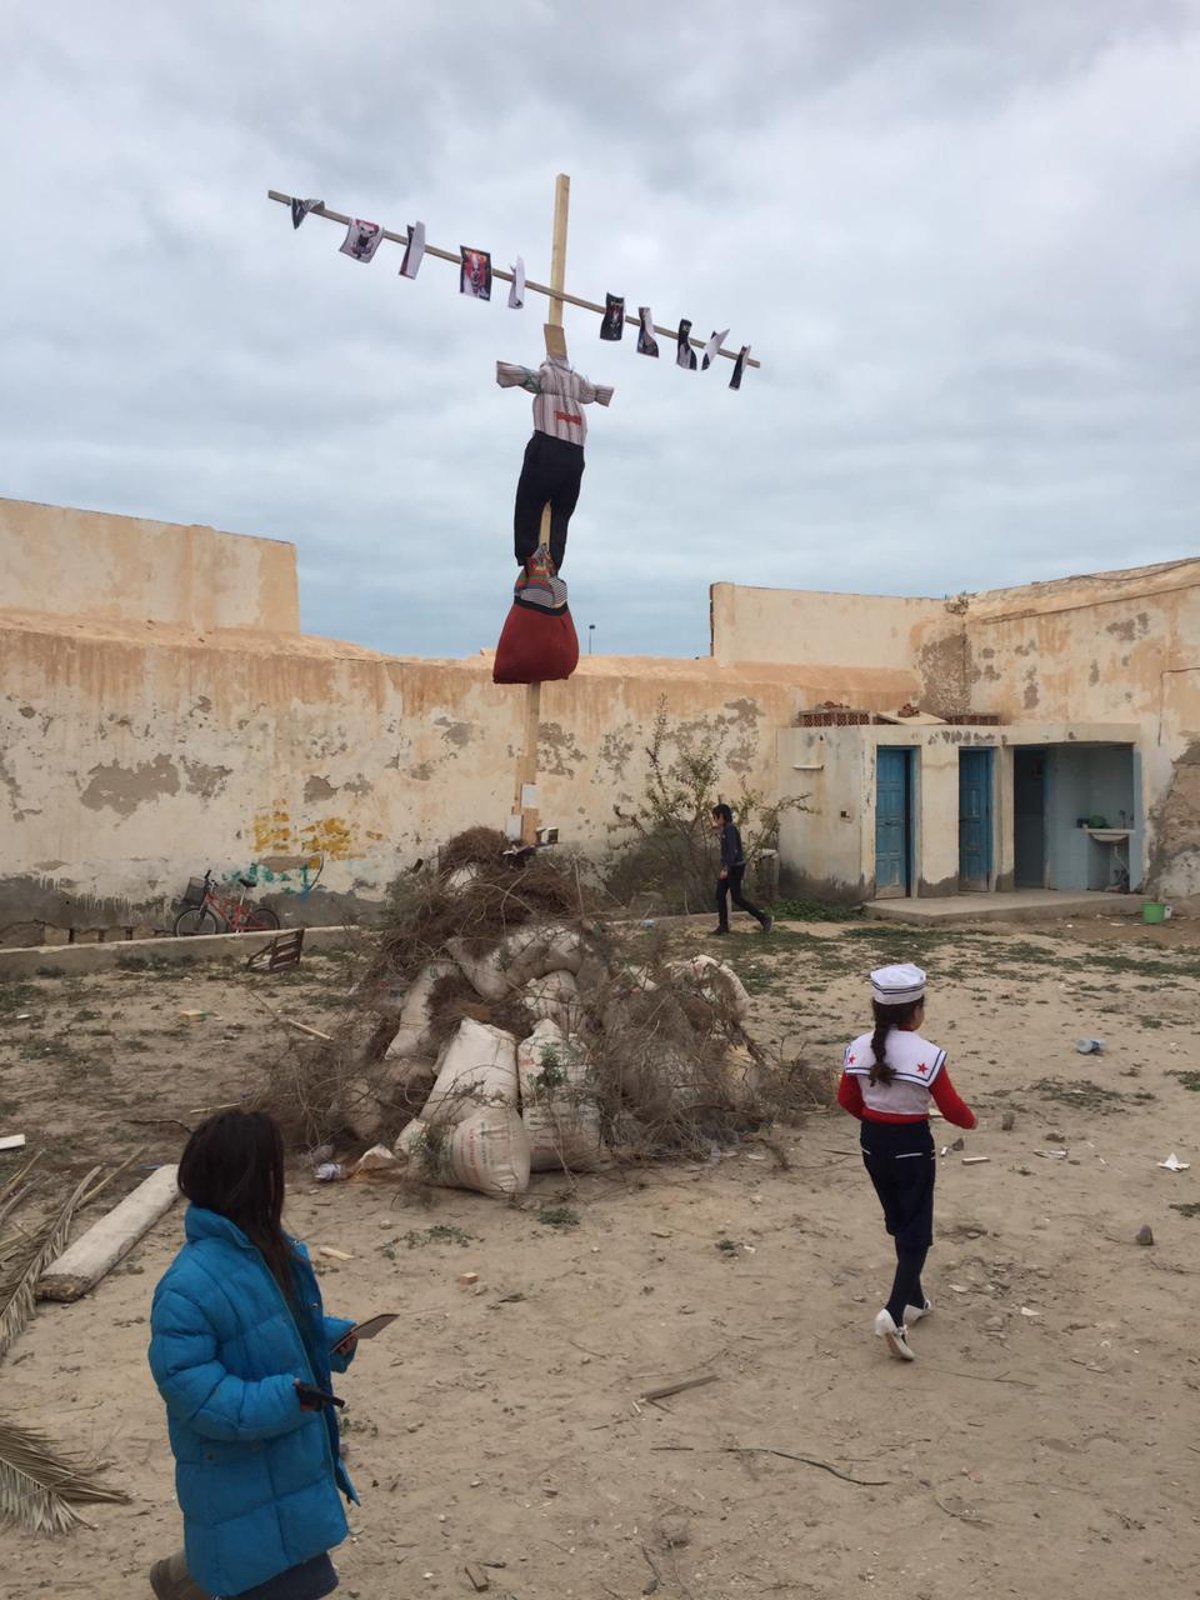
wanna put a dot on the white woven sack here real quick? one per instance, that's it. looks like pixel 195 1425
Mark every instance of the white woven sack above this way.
pixel 561 1116
pixel 478 1067
pixel 488 1152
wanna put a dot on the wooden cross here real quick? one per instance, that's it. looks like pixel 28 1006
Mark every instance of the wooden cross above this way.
pixel 523 819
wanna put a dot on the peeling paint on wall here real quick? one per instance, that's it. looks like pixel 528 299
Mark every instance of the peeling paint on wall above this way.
pixel 204 780
pixel 124 789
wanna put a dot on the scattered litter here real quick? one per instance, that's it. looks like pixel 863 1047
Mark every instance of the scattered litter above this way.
pixel 24 1016
pixel 283 951
pixel 1173 1163
pixel 1090 1047
pixel 1145 1234
pixel 467 1280
pixel 12 1141
pixel 1008 1121
pixel 303 1027
pixel 377 1159
pixel 959 1288
pixel 330 1172
pixel 195 1016
pixel 331 1254
pixel 1027 1311
pixel 1052 1155
pixel 478 1578
pixel 975 1161
pixel 664 1390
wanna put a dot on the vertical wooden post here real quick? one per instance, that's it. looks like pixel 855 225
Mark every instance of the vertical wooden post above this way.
pixel 527 767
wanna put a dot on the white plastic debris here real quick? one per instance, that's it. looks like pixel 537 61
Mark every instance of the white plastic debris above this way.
pixel 1173 1163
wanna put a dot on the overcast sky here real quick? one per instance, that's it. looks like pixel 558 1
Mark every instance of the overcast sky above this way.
pixel 964 240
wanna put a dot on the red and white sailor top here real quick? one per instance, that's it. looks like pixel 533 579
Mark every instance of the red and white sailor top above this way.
pixel 920 1077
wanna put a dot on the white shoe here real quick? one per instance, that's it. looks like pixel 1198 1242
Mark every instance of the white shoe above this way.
pixel 895 1338
pixel 915 1313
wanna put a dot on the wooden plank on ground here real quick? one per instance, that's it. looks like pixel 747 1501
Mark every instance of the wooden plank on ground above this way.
pixel 82 1265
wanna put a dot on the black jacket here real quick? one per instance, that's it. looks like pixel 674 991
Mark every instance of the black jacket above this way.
pixel 732 854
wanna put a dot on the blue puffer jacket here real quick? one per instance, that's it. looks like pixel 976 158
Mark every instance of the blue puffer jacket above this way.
pixel 257 1477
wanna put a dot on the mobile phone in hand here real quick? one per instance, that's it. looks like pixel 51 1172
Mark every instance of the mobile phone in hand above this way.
pixel 367 1329
pixel 312 1396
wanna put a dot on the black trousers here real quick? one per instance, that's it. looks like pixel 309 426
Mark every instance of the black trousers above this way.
pixel 550 475
pixel 732 886
pixel 899 1159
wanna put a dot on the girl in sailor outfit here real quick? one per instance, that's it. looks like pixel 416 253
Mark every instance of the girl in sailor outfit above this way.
pixel 889 1078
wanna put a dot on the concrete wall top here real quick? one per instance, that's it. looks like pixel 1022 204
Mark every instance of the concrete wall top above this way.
pixel 815 629
pixel 1090 589
pixel 89 565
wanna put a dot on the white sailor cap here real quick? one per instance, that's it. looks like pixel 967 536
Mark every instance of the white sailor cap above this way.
pixel 900 985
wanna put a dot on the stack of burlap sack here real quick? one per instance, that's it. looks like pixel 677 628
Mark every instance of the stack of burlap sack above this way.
pixel 500 1106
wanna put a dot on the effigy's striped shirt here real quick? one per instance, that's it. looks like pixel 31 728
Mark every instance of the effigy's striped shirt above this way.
pixel 559 396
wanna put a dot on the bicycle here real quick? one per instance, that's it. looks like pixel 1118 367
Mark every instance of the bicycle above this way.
pixel 205 908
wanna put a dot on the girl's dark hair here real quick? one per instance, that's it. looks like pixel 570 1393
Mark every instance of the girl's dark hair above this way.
pixel 233 1164
pixel 887 1018
pixel 723 811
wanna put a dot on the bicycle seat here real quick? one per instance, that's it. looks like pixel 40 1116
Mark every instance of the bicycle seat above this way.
pixel 246 883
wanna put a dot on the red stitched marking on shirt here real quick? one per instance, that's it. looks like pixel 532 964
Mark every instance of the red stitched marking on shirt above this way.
pixel 921 1067
pixel 569 416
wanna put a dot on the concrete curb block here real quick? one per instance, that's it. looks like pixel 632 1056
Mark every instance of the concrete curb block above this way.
pixel 76 959
pixel 943 916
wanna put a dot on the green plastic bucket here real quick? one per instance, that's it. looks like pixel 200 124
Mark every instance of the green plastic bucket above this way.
pixel 1154 911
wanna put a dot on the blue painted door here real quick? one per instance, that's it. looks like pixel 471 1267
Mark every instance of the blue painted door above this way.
pixel 974 819
pixel 892 821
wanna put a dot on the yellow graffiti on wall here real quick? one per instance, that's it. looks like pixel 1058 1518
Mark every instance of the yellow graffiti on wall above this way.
pixel 331 837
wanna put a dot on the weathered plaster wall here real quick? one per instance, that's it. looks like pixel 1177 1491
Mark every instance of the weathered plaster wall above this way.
pixel 128 763
pixel 83 565
pixel 1120 647
pixel 806 627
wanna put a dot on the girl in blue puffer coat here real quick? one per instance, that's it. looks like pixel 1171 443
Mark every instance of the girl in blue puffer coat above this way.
pixel 238 1339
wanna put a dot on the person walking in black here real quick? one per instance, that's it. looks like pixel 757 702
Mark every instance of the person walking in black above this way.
pixel 733 870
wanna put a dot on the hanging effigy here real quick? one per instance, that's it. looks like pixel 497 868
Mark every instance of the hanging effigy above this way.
pixel 538 643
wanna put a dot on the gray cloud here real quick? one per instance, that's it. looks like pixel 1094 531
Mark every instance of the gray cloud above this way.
pixel 964 241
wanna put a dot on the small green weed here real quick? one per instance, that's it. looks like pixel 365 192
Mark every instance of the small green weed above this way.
pixel 1086 1095
pixel 558 1217
pixel 814 911
pixel 1189 1078
pixel 1186 1208
pixel 16 997
pixel 439 1233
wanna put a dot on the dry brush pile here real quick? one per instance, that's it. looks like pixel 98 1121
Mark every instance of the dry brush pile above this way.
pixel 504 1027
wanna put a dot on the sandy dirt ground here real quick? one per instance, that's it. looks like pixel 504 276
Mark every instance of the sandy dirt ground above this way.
pixel 1042 1444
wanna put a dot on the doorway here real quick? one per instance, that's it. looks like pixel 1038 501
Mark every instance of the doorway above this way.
pixel 893 821
pixel 974 821
pixel 1029 819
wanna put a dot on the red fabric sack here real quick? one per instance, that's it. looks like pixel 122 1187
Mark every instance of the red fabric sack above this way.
pixel 536 646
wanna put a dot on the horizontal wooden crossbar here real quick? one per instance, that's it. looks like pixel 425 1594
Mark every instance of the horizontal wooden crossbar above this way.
pixel 497 272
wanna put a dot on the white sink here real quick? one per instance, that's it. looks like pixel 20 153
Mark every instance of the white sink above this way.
pixel 1109 835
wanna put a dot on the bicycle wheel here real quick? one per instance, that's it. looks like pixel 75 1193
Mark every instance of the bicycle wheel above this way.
pixel 196 919
pixel 261 920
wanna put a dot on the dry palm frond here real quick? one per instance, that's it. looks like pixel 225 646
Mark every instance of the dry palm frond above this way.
pixel 20 1283
pixel 40 1489
pixel 18 1177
